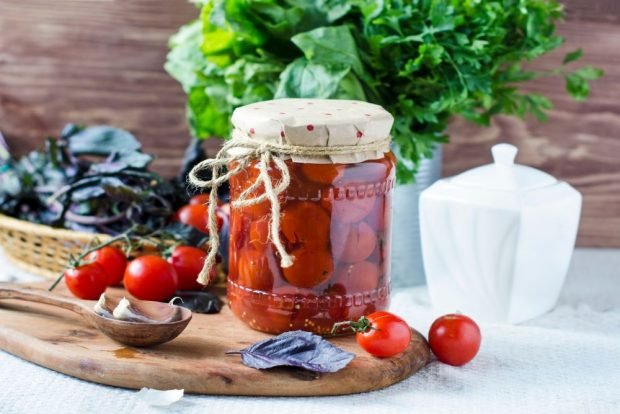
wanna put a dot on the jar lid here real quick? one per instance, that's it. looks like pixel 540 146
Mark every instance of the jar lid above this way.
pixel 316 122
pixel 504 174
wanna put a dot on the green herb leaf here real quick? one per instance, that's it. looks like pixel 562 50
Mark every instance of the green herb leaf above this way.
pixel 588 73
pixel 330 45
pixel 572 56
pixel 304 79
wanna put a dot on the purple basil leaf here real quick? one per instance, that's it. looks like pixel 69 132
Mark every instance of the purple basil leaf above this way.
pixel 102 140
pixel 296 349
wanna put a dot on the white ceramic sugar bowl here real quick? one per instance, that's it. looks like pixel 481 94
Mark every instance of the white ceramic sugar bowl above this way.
pixel 497 240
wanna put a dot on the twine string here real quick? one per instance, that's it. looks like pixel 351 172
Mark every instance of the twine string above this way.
pixel 267 153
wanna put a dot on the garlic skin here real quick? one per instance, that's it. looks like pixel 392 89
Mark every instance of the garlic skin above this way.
pixel 159 398
pixel 101 309
pixel 123 311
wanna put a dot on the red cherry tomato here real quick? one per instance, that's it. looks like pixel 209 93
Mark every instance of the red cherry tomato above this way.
pixel 254 271
pixel 243 180
pixel 454 339
pixel 379 216
pixel 188 262
pixel 199 199
pixel 151 278
pixel 87 281
pixel 352 243
pixel 385 334
pixel 305 224
pixel 113 262
pixel 310 268
pixel 259 233
pixel 361 277
pixel 323 173
pixel 353 210
pixel 196 215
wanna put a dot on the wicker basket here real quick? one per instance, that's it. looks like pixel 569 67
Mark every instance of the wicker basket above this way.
pixel 44 250
pixel 40 249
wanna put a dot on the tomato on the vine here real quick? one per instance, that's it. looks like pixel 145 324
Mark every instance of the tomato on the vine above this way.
pixel 113 262
pixel 151 278
pixel 381 334
pixel 87 281
pixel 454 339
pixel 188 262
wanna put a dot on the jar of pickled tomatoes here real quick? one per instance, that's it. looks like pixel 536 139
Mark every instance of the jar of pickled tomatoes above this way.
pixel 334 215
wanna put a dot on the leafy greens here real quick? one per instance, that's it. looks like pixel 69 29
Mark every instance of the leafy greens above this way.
pixel 423 60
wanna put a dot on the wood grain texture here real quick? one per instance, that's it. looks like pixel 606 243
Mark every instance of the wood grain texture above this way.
pixel 195 361
pixel 92 61
pixel 100 61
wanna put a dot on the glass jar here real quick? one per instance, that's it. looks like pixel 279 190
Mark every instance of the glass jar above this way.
pixel 335 221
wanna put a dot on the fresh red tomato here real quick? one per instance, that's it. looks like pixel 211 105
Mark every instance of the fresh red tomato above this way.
pixel 188 262
pixel 151 278
pixel 196 215
pixel 87 281
pixel 382 334
pixel 113 262
pixel 199 199
pixel 454 339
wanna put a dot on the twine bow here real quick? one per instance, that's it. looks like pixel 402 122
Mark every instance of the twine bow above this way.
pixel 267 153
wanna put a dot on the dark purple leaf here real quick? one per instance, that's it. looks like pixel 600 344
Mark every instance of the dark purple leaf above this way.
pixel 199 302
pixel 296 349
pixel 102 140
pixel 119 161
pixel 107 167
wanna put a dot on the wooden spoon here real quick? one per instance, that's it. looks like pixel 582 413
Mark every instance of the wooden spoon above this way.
pixel 168 321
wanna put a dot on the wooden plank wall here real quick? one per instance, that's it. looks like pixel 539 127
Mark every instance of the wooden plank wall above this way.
pixel 100 61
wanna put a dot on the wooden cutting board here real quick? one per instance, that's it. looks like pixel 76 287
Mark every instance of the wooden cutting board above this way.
pixel 195 361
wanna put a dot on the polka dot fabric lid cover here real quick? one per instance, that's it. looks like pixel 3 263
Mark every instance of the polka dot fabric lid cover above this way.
pixel 316 122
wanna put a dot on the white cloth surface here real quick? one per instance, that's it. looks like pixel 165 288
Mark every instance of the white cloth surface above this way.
pixel 567 361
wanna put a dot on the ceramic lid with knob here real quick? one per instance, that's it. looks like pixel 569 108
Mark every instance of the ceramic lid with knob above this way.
pixel 504 174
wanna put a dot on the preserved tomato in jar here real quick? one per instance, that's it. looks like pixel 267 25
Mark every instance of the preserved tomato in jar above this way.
pixel 334 221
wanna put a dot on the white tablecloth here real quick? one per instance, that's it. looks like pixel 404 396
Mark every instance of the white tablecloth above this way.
pixel 567 361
